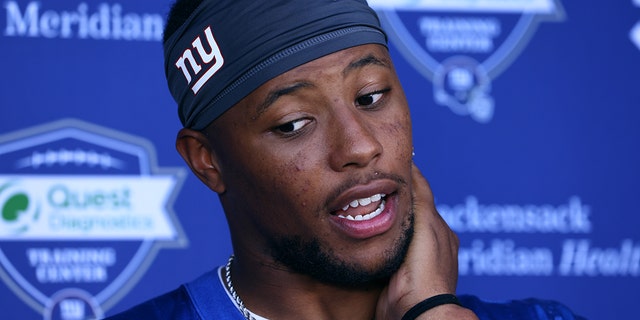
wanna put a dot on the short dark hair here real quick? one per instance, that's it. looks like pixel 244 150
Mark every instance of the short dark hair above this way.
pixel 178 14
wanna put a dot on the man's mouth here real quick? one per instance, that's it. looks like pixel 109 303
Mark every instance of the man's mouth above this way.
pixel 363 209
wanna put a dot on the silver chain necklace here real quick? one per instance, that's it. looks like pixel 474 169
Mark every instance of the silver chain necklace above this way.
pixel 227 277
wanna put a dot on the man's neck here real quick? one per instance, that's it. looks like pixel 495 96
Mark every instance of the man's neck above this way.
pixel 275 292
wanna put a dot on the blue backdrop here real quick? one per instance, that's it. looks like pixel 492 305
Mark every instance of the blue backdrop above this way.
pixel 525 122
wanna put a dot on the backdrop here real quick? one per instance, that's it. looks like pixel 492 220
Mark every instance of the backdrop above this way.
pixel 525 122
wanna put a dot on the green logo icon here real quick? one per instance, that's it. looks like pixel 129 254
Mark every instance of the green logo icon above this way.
pixel 17 210
pixel 14 206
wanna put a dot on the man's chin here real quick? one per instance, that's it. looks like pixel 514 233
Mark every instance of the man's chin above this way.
pixel 308 257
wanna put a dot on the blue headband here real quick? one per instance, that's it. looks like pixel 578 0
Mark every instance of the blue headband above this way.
pixel 226 49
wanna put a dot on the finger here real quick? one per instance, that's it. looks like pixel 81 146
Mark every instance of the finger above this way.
pixel 424 207
pixel 434 242
pixel 423 196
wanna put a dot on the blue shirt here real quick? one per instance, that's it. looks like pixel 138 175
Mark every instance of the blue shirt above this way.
pixel 206 298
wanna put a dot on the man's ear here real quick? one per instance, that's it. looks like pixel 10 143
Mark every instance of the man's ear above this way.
pixel 195 149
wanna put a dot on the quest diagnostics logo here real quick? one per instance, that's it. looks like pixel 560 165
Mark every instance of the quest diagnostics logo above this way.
pixel 85 209
pixel 461 45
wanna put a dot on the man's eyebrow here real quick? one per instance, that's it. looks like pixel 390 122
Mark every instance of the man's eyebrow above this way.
pixel 275 94
pixel 365 61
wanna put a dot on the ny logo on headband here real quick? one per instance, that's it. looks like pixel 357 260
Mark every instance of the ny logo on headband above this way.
pixel 212 61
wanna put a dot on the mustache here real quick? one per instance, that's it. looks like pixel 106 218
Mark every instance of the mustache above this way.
pixel 360 180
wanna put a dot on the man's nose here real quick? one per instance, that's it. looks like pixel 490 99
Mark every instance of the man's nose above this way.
pixel 352 139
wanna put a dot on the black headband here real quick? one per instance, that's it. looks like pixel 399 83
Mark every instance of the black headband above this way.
pixel 226 49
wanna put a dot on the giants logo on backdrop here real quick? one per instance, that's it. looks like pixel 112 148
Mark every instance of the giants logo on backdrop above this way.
pixel 103 22
pixel 462 45
pixel 212 60
pixel 84 212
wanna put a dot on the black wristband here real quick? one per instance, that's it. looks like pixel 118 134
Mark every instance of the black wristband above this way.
pixel 430 303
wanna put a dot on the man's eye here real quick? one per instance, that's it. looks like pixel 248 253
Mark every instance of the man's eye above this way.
pixel 293 126
pixel 369 99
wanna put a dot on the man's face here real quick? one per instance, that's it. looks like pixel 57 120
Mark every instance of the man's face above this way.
pixel 316 168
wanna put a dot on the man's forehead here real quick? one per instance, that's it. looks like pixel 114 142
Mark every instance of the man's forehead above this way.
pixel 343 62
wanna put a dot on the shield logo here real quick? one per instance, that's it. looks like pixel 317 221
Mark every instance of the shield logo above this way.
pixel 461 45
pixel 84 210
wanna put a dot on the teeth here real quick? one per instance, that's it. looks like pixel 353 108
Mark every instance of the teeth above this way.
pixel 369 216
pixel 363 201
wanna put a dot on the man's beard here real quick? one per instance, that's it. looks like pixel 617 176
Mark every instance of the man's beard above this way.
pixel 310 258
